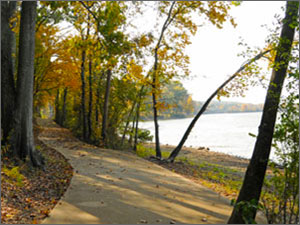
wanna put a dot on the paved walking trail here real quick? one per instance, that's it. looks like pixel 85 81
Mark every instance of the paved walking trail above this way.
pixel 114 187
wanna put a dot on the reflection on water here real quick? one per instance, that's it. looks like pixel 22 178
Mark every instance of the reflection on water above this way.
pixel 224 132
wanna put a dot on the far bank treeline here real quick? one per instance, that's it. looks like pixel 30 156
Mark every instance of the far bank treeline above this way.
pixel 177 103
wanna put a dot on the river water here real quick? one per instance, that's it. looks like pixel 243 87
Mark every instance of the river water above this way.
pixel 222 132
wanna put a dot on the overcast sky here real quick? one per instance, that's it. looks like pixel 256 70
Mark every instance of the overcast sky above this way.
pixel 213 52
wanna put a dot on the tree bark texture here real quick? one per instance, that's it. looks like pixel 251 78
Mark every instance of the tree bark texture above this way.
pixel 254 177
pixel 155 117
pixel 83 112
pixel 23 142
pixel 176 151
pixel 105 107
pixel 90 101
pixel 57 110
pixel 8 95
pixel 64 107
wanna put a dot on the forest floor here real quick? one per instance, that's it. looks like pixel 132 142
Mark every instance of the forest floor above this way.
pixel 29 194
pixel 110 186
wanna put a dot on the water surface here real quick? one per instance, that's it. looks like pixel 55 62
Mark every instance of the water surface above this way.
pixel 222 132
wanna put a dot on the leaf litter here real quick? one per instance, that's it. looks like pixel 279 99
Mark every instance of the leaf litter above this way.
pixel 39 192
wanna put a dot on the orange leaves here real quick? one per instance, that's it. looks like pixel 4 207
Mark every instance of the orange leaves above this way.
pixel 162 106
pixel 45 212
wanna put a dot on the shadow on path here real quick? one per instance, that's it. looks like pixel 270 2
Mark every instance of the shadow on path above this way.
pixel 114 187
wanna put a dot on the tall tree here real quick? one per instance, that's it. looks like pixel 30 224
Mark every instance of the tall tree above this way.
pixel 111 41
pixel 105 107
pixel 254 177
pixel 7 68
pixel 83 111
pixel 173 38
pixel 23 142
pixel 89 118
pixel 155 78
pixel 176 151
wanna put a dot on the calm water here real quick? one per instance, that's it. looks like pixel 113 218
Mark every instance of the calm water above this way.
pixel 226 132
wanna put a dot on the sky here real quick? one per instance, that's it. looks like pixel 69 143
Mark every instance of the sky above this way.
pixel 213 52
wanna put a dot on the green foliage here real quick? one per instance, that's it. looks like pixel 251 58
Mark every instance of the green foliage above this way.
pixel 144 135
pixel 145 152
pixel 247 208
pixel 5 150
pixel 175 102
pixel 14 176
pixel 281 189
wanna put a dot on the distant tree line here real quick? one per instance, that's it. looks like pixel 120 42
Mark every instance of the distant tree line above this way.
pixel 176 102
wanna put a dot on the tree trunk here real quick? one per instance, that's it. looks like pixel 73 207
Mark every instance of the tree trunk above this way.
pixel 8 95
pixel 83 113
pixel 23 142
pixel 105 107
pixel 127 123
pixel 155 117
pixel 176 151
pixel 57 111
pixel 90 101
pixel 154 79
pixel 254 177
pixel 131 133
pixel 64 107
pixel 138 118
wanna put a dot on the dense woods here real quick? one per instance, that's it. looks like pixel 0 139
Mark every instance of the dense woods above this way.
pixel 88 66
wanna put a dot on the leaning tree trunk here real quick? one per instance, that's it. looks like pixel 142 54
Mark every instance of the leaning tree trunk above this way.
pixel 23 142
pixel 8 94
pixel 176 151
pixel 105 108
pixel 254 177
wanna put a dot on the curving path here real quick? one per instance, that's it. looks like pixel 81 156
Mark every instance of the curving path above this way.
pixel 114 187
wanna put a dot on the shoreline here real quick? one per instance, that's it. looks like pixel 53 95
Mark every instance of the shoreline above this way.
pixel 205 155
pixel 189 117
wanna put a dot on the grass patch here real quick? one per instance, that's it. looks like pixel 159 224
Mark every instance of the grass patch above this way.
pixel 220 178
pixel 145 152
